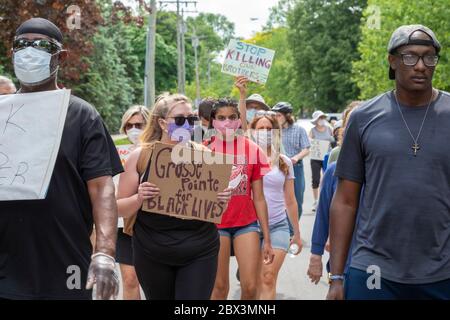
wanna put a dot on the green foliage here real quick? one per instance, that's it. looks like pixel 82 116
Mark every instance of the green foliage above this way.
pixel 371 71
pixel 121 142
pixel 279 14
pixel 214 32
pixel 323 36
pixel 280 85
pixel 106 84
pixel 220 84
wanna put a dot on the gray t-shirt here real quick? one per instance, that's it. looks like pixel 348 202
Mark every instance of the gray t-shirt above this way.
pixel 326 135
pixel 404 213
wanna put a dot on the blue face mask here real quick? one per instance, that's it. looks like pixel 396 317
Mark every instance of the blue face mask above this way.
pixel 251 114
pixel 180 133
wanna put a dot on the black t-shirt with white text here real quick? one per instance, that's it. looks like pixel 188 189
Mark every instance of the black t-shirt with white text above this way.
pixel 44 244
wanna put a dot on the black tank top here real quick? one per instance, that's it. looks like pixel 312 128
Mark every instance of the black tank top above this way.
pixel 172 240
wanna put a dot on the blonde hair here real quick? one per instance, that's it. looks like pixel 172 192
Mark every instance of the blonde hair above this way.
pixel 164 104
pixel 345 116
pixel 131 112
pixel 276 141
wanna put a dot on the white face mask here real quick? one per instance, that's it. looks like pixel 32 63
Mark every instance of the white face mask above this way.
pixel 32 65
pixel 321 122
pixel 263 138
pixel 250 114
pixel 133 135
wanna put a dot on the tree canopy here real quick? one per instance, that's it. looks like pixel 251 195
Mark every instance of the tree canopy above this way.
pixel 328 52
pixel 371 72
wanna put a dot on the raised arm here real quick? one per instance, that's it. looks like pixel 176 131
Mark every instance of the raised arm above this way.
pixel 241 84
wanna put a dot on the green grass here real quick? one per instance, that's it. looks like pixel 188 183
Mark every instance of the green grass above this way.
pixel 122 141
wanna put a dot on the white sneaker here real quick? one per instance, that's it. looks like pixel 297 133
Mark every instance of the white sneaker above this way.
pixel 314 206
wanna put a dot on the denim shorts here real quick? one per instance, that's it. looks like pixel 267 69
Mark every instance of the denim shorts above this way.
pixel 279 235
pixel 237 231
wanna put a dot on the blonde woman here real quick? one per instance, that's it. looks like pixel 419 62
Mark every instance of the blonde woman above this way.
pixel 280 198
pixel 134 121
pixel 174 258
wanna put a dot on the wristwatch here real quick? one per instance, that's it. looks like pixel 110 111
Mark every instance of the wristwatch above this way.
pixel 332 277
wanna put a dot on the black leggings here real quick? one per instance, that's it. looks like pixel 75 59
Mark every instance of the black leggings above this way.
pixel 316 168
pixel 159 281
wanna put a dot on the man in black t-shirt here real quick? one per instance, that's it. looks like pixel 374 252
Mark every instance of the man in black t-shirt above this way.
pixel 45 251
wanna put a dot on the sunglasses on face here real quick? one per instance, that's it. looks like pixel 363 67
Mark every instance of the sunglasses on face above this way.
pixel 40 44
pixel 181 120
pixel 232 117
pixel 265 113
pixel 138 125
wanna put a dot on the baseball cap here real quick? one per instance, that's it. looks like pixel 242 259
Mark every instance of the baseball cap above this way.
pixel 402 37
pixel 41 26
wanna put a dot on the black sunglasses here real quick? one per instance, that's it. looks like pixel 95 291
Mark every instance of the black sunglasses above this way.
pixel 180 120
pixel 40 44
pixel 138 125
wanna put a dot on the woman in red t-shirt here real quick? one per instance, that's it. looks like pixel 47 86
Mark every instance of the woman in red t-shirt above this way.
pixel 240 220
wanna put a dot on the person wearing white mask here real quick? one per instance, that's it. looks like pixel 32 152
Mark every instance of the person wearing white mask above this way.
pixel 134 121
pixel 278 185
pixel 41 239
pixel 321 131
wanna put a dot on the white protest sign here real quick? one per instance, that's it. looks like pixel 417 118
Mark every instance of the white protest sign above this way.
pixel 124 152
pixel 319 148
pixel 31 127
pixel 244 59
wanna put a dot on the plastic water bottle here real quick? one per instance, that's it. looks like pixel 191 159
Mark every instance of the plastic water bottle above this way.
pixel 94 292
pixel 293 250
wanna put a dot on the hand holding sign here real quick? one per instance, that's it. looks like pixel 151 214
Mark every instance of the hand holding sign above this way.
pixel 245 59
pixel 147 190
pixel 190 189
pixel 241 83
pixel 225 195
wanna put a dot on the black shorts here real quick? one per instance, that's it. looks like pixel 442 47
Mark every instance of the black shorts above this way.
pixel 124 249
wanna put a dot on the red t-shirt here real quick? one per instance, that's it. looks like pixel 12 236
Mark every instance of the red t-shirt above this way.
pixel 250 164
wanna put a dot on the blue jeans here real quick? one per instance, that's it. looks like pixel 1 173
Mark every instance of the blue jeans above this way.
pixel 356 288
pixel 299 186
pixel 279 235
pixel 234 232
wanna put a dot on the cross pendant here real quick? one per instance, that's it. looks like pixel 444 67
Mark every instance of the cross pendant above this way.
pixel 415 148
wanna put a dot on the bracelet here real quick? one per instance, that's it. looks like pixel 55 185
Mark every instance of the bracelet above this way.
pixel 333 277
pixel 104 255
